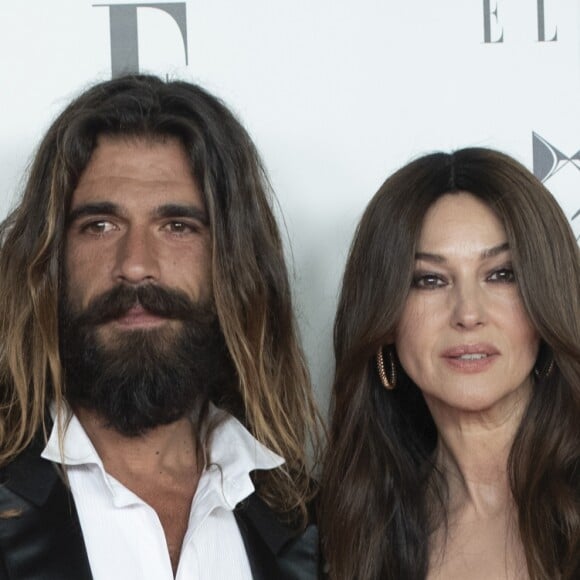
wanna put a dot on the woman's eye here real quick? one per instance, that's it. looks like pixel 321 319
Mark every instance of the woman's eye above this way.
pixel 428 281
pixel 502 275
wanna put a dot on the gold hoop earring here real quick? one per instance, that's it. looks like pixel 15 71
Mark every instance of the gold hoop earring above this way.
pixel 389 382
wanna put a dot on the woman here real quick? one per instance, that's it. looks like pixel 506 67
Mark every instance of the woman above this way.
pixel 455 437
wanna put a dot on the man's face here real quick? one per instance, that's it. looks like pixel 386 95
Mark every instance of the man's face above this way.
pixel 137 217
pixel 140 340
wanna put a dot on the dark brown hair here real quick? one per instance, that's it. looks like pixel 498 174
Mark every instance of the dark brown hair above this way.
pixel 379 481
pixel 250 280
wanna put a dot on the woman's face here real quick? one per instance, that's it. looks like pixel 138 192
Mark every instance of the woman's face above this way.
pixel 464 337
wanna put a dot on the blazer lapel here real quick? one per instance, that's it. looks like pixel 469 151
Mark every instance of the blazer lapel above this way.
pixel 40 535
pixel 275 550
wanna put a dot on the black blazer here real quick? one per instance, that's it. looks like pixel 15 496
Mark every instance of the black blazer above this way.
pixel 41 538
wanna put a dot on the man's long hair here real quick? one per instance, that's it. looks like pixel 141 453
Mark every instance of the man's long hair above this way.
pixel 382 494
pixel 271 393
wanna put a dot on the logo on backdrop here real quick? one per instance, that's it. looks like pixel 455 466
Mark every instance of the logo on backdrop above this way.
pixel 125 33
pixel 493 28
pixel 549 160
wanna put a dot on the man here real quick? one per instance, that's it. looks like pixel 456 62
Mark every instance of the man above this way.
pixel 155 404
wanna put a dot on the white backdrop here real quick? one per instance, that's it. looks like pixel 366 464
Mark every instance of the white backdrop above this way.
pixel 337 94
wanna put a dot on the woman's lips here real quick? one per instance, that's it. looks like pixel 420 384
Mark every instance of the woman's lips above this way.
pixel 471 358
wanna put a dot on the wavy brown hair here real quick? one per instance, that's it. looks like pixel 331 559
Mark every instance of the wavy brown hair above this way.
pixel 271 393
pixel 380 487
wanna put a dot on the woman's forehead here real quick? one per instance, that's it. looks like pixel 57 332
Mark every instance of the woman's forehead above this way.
pixel 460 222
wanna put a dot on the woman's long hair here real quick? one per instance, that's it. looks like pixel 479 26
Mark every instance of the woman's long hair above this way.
pixel 380 487
pixel 271 392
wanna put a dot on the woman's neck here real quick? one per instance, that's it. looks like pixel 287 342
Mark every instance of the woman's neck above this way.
pixel 473 452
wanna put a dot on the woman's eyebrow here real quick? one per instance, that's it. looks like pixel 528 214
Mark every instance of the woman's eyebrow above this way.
pixel 485 254
pixel 495 251
pixel 428 257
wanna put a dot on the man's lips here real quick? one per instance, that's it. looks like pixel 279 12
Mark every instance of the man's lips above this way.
pixel 471 357
pixel 137 316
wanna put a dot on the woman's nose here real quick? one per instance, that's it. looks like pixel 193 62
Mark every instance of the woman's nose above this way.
pixel 468 309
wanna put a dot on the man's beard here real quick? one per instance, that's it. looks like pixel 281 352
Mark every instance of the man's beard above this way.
pixel 140 379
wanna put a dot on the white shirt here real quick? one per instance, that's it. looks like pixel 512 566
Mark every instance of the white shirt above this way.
pixel 123 535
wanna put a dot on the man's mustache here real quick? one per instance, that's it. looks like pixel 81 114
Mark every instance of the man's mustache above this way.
pixel 155 299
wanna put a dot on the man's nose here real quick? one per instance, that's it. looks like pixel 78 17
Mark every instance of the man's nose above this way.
pixel 137 260
pixel 468 309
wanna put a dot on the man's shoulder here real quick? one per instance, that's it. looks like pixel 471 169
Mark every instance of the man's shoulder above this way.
pixel 277 549
pixel 28 476
pixel 40 535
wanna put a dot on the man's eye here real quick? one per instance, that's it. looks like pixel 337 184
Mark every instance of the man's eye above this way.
pixel 97 227
pixel 505 275
pixel 180 227
pixel 428 281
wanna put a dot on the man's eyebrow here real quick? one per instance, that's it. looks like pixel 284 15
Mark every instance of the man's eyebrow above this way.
pixel 88 209
pixel 176 210
pixel 170 210
pixel 487 253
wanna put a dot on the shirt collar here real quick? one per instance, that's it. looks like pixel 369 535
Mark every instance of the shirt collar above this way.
pixel 233 453
pixel 75 447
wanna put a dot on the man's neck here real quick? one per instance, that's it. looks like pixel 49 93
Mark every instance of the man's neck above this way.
pixel 166 449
